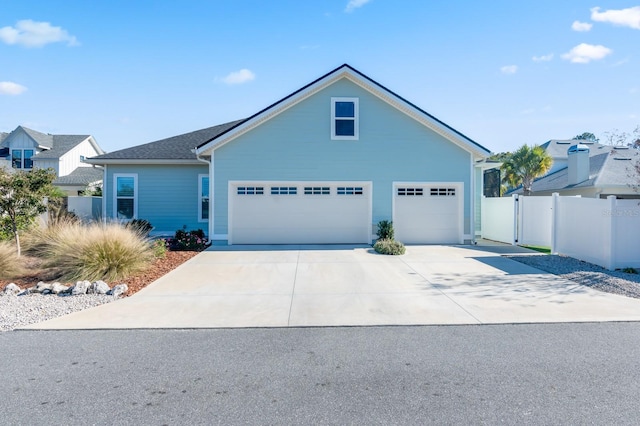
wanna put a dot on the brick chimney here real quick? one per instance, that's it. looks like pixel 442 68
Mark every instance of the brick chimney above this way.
pixel 578 167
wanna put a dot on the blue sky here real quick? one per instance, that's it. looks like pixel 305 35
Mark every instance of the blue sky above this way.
pixel 504 73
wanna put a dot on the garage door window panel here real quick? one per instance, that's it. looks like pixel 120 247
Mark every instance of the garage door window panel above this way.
pixel 250 190
pixel 350 190
pixel 317 190
pixel 284 190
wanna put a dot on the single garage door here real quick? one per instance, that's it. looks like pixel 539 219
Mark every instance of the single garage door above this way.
pixel 299 213
pixel 428 213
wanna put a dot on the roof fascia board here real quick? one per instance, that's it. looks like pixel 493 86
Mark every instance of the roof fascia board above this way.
pixel 141 161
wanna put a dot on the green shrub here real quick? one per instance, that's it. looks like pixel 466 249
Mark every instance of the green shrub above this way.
pixel 385 230
pixel 188 240
pixel 93 252
pixel 10 266
pixel 159 248
pixel 630 270
pixel 387 246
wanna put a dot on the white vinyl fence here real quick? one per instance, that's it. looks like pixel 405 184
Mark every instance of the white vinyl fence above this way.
pixel 605 232
pixel 86 208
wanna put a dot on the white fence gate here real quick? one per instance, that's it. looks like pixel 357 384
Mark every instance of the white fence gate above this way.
pixel 605 232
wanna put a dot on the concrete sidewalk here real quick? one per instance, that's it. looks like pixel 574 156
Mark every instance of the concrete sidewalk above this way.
pixel 288 286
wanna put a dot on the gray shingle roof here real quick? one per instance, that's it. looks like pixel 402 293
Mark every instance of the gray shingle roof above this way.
pixel 61 145
pixel 557 148
pixel 42 139
pixel 81 176
pixel 612 167
pixel 173 148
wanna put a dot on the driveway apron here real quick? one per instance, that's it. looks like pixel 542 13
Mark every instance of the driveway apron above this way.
pixel 291 286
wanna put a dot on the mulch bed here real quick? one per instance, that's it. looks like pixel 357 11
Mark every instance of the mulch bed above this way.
pixel 158 268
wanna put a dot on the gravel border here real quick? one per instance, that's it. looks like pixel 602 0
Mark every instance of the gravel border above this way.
pixel 584 273
pixel 18 311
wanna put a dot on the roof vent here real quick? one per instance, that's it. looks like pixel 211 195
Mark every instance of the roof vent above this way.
pixel 577 148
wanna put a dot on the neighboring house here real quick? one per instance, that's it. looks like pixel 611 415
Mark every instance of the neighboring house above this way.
pixel 322 165
pixel 590 170
pixel 25 149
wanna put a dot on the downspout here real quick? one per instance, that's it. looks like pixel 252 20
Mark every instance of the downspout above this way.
pixel 210 233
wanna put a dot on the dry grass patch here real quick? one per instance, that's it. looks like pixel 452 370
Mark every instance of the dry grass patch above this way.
pixel 91 252
pixel 10 265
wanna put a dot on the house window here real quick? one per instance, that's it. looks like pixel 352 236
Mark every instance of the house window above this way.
pixel 349 190
pixel 22 158
pixel 125 196
pixel 344 118
pixel 410 192
pixel 203 198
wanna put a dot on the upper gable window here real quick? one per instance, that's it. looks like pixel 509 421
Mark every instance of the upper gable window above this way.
pixel 344 118
pixel 22 158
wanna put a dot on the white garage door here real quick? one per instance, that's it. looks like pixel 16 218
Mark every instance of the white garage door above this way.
pixel 299 213
pixel 428 213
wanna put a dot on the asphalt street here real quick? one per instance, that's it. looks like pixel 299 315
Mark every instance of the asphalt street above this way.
pixel 511 374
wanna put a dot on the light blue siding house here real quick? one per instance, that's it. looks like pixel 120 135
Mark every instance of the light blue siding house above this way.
pixel 323 165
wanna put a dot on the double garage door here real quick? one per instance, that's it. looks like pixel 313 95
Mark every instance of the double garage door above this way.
pixel 299 213
pixel 340 213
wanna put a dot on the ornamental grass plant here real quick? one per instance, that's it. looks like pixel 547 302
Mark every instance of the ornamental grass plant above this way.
pixel 10 266
pixel 95 251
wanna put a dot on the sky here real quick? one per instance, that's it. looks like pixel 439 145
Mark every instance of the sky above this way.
pixel 504 73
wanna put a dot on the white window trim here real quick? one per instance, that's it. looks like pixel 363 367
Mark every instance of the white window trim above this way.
pixel 356 119
pixel 114 206
pixel 200 178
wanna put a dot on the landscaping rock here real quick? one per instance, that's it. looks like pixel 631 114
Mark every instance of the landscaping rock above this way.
pixel 57 288
pixel 11 289
pixel 81 287
pixel 118 290
pixel 41 287
pixel 98 287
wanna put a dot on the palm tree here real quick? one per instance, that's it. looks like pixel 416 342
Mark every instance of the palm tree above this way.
pixel 524 165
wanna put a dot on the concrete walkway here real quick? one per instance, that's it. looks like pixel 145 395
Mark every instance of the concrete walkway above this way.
pixel 288 286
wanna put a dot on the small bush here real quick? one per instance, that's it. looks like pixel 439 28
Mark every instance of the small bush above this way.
pixel 630 270
pixel 188 240
pixel 385 230
pixel 159 248
pixel 387 246
pixel 93 252
pixel 10 266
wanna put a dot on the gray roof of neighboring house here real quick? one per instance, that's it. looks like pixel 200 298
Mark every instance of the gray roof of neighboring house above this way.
pixel 557 148
pixel 81 176
pixel 61 145
pixel 173 148
pixel 55 145
pixel 614 167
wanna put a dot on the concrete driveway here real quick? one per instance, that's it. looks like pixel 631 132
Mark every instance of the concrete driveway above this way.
pixel 289 286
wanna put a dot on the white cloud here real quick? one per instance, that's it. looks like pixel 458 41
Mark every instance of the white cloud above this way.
pixel 10 88
pixel 509 69
pixel 629 17
pixel 354 4
pixel 581 26
pixel 585 53
pixel 543 58
pixel 30 33
pixel 239 77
